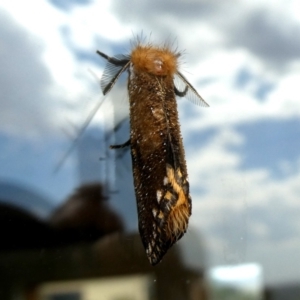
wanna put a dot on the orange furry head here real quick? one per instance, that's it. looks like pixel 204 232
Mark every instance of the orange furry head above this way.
pixel 159 61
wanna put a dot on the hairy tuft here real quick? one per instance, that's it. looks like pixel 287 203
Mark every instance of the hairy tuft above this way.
pixel 159 61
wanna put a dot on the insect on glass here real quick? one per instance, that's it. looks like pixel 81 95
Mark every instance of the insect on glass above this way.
pixel 158 160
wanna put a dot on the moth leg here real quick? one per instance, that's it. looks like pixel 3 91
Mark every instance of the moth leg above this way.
pixel 113 60
pixel 179 93
pixel 126 144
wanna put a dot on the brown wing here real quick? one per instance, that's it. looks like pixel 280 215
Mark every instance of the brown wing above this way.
pixel 159 169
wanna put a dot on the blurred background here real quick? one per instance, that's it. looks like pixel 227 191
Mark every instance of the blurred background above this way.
pixel 68 219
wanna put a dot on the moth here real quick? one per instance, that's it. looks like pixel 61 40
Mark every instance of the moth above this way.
pixel 158 160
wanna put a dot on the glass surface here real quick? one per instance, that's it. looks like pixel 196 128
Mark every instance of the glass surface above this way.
pixel 68 214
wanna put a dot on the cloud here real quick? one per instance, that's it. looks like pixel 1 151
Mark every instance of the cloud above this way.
pixel 25 82
pixel 268 31
pixel 68 5
pixel 228 40
pixel 38 80
pixel 243 210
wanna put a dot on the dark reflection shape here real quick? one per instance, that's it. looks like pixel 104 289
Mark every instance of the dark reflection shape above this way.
pixel 82 241
pixel 125 254
pixel 20 229
pixel 86 215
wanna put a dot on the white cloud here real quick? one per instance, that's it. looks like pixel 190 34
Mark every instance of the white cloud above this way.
pixel 239 209
pixel 45 84
pixel 212 51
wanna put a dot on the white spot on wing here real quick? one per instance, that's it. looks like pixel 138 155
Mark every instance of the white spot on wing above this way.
pixel 166 181
pixel 154 212
pixel 158 195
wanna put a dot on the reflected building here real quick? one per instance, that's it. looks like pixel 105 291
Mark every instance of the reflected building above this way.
pixel 82 249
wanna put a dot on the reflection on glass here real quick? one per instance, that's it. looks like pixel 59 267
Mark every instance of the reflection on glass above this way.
pixel 137 287
pixel 236 282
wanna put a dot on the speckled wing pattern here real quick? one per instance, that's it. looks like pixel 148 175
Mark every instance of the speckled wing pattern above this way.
pixel 159 168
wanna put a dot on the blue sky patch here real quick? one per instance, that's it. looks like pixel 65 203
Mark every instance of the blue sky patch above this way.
pixel 269 142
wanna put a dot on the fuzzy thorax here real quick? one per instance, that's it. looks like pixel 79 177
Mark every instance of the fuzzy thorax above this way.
pixel 156 61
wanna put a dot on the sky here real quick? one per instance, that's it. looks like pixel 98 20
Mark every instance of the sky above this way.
pixel 242 153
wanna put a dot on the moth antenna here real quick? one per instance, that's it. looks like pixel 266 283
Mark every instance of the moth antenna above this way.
pixel 113 60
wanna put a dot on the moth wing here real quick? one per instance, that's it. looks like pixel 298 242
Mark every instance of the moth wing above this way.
pixel 114 68
pixel 159 202
pixel 184 89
